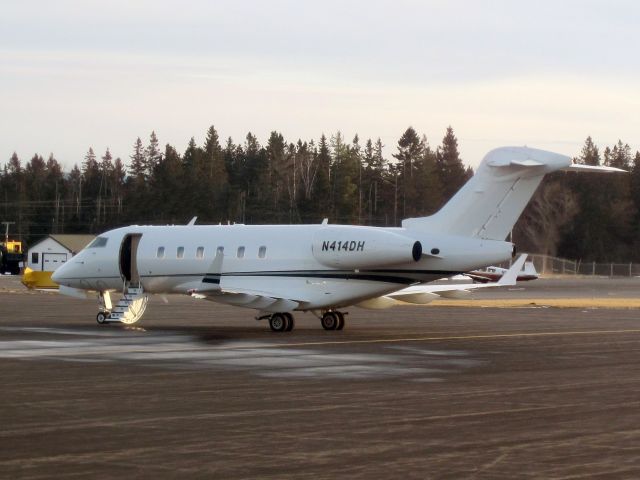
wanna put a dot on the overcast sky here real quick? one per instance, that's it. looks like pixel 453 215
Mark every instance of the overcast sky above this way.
pixel 75 74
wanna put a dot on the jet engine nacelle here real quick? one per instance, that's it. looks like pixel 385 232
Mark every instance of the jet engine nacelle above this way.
pixel 361 247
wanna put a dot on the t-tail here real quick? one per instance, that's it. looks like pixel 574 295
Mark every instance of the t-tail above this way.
pixel 489 204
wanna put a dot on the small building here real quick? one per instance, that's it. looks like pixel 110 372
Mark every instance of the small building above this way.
pixel 54 250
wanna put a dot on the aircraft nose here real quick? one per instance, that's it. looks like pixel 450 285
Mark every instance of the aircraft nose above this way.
pixel 59 276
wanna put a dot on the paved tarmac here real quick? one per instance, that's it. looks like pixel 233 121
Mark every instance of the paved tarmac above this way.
pixel 200 390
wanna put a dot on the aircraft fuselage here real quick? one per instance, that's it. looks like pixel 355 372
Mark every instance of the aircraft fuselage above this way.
pixel 321 266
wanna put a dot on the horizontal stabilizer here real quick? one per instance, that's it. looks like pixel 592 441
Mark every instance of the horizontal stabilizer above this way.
pixel 578 167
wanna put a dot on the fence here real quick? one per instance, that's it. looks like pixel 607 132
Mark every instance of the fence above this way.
pixel 547 265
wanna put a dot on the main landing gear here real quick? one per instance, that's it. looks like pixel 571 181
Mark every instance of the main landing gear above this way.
pixel 284 321
pixel 281 322
pixel 333 320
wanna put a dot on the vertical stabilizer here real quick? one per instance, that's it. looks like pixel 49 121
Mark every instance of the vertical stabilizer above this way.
pixel 489 204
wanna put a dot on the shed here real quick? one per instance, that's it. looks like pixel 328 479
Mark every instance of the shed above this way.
pixel 54 250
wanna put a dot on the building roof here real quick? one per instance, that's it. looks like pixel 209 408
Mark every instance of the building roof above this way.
pixel 73 243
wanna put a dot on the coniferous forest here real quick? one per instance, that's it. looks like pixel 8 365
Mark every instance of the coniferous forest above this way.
pixel 579 216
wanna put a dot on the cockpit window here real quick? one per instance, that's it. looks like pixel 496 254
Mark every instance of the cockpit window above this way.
pixel 99 242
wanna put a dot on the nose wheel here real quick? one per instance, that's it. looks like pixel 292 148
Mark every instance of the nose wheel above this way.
pixel 102 317
pixel 333 320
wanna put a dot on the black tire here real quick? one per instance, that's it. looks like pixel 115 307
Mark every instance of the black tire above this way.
pixel 290 321
pixel 102 317
pixel 278 322
pixel 340 325
pixel 329 321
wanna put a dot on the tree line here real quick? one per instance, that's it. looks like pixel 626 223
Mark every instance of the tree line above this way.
pixel 578 216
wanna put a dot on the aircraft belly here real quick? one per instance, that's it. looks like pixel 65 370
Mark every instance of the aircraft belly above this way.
pixel 97 284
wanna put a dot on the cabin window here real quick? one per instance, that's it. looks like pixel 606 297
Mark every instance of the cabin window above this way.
pixel 200 252
pixel 240 252
pixel 160 252
pixel 220 251
pixel 99 242
pixel 180 252
pixel 35 258
pixel 262 252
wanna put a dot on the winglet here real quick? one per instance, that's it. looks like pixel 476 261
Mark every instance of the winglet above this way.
pixel 216 265
pixel 511 275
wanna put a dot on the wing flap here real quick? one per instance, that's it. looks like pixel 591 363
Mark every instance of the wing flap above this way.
pixel 257 292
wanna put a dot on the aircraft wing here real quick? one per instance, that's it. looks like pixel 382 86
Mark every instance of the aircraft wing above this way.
pixel 426 293
pixel 279 295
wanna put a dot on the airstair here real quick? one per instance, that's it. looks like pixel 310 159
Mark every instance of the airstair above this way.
pixel 129 308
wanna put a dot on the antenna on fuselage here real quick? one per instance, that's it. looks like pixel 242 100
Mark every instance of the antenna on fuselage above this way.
pixel 192 222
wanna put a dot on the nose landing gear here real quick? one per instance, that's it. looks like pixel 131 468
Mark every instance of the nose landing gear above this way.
pixel 102 317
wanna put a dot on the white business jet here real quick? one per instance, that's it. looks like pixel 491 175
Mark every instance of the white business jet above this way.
pixel 323 268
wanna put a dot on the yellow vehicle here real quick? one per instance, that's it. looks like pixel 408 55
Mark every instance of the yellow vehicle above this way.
pixel 11 256
pixel 33 279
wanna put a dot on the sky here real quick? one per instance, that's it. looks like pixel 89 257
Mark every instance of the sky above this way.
pixel 78 74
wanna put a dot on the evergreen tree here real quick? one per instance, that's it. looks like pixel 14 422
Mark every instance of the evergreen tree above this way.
pixel 410 151
pixel 117 187
pixel 450 168
pixel 429 196
pixel 15 194
pixel 38 219
pixel 344 175
pixel 322 186
pixel 138 167
pixel 251 167
pixel 106 170
pixel 217 178
pixel 166 178
pixel 278 176
pixel 589 154
pixel 136 191
pixel 75 198
pixel 55 190
pixel 356 151
pixel 620 156
pixel 607 156
pixel 152 154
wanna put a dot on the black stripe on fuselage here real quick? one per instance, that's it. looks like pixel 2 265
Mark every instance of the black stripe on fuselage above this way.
pixel 386 276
